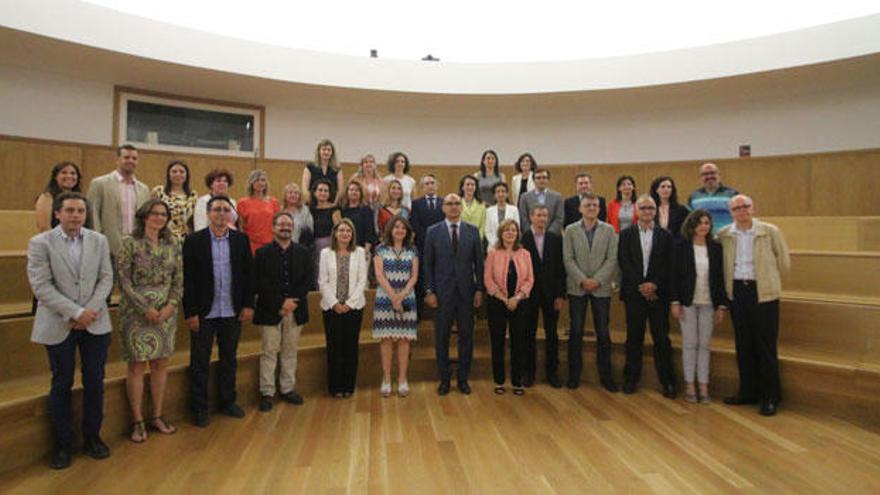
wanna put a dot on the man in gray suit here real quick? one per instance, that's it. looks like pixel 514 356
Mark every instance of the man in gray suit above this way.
pixel 589 251
pixel 542 195
pixel 115 197
pixel 71 275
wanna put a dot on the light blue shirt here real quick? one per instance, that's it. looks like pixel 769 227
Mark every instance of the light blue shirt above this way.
pixel 221 306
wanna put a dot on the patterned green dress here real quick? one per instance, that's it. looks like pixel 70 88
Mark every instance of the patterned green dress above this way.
pixel 148 277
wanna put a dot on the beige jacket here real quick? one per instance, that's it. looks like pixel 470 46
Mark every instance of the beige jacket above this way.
pixel 770 255
pixel 582 262
pixel 106 211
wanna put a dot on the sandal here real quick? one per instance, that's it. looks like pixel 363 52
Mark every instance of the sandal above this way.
pixel 169 429
pixel 499 389
pixel 138 432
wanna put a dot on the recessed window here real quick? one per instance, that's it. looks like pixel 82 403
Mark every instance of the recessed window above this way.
pixel 186 125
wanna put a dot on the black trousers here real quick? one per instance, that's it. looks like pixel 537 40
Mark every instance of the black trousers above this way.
pixel 342 332
pixel 461 310
pixel 500 319
pixel 62 361
pixel 601 308
pixel 540 302
pixel 227 331
pixel 638 312
pixel 756 330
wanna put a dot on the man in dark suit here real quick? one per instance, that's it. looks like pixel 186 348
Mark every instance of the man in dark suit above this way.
pixel 453 269
pixel 426 211
pixel 281 278
pixel 217 297
pixel 547 296
pixel 71 275
pixel 645 258
pixel 583 184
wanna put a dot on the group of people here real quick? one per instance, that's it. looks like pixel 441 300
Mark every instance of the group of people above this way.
pixel 228 262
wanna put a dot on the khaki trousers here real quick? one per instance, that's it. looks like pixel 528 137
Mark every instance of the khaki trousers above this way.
pixel 279 343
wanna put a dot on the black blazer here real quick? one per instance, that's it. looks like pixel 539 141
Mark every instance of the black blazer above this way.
pixel 198 273
pixel 266 281
pixel 549 272
pixel 629 257
pixel 423 217
pixel 677 216
pixel 572 210
pixel 364 224
pixel 684 273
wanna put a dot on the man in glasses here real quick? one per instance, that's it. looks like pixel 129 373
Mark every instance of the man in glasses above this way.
pixel 453 270
pixel 713 196
pixel 542 195
pixel 217 297
pixel 755 257
pixel 645 258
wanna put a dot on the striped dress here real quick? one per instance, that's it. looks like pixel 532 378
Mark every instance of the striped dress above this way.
pixel 387 323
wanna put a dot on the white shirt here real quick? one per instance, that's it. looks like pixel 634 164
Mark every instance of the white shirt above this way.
pixel 744 265
pixel 701 289
pixel 457 227
pixel 647 239
pixel 74 250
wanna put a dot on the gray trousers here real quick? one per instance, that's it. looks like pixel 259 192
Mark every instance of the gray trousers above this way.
pixel 696 332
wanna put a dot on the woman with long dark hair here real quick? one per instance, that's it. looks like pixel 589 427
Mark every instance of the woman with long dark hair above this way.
pixel 181 200
pixel 670 214
pixel 65 177
pixel 489 175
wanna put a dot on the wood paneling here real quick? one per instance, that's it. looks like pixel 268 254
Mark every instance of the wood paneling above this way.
pixel 841 183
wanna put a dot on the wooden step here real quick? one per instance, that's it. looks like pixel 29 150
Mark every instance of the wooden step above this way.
pixel 17 226
pixel 834 273
pixel 830 233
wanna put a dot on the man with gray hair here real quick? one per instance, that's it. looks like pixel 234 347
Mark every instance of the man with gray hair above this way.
pixel 645 258
pixel 755 257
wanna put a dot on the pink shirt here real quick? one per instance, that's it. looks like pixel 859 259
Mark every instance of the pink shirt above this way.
pixel 495 272
pixel 127 201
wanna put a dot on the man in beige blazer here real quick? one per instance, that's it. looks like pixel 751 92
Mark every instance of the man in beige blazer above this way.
pixel 115 197
pixel 70 273
pixel 755 258
pixel 589 251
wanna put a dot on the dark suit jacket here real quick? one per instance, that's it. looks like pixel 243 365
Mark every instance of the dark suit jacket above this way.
pixel 572 210
pixel 549 272
pixel 684 273
pixel 198 272
pixel 423 217
pixel 629 257
pixel 446 272
pixel 266 281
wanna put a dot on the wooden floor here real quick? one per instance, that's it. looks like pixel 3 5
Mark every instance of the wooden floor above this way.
pixel 549 441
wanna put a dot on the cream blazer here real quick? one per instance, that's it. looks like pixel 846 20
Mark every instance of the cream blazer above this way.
pixel 106 209
pixel 510 213
pixel 357 278
pixel 515 184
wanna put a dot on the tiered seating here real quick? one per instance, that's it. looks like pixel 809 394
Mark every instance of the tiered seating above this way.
pixel 829 338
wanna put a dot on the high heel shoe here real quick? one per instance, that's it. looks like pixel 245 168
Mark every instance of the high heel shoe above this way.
pixel 385 389
pixel 403 389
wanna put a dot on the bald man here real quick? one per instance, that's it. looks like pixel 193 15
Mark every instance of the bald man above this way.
pixel 755 257
pixel 713 196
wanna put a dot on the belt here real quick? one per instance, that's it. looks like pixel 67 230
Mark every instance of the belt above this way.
pixel 744 282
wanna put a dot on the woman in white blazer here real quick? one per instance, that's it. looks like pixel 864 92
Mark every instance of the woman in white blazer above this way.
pixel 342 280
pixel 524 180
pixel 494 217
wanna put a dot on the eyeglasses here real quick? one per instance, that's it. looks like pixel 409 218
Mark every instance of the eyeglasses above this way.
pixel 647 208
pixel 221 210
pixel 706 174
pixel 740 207
pixel 452 203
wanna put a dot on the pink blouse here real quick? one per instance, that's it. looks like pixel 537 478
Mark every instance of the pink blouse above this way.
pixel 495 272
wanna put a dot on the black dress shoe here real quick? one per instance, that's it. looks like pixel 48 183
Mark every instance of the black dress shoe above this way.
pixel 669 391
pixel 201 419
pixel 629 387
pixel 463 387
pixel 443 388
pixel 573 383
pixel 293 398
pixel 528 381
pixel 554 381
pixel 265 403
pixel 95 448
pixel 232 410
pixel 739 400
pixel 609 385
pixel 768 407
pixel 61 458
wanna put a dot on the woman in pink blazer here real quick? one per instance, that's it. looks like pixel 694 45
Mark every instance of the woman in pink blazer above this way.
pixel 509 279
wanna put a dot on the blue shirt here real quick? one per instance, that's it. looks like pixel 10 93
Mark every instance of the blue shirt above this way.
pixel 221 306
pixel 715 203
